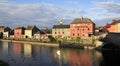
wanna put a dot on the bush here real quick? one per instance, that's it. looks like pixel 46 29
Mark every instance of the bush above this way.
pixel 2 63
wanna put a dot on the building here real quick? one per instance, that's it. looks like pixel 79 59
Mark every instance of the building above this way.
pixel 30 31
pixel 47 33
pixel 19 32
pixel 114 26
pixel 4 29
pixel 61 31
pixel 82 27
pixel 38 34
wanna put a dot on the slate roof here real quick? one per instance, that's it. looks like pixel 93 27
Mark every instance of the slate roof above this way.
pixel 81 20
pixel 115 22
pixel 30 27
pixel 20 28
pixel 2 26
pixel 61 26
pixel 40 32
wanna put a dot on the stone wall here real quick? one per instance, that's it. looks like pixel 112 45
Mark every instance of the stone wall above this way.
pixel 113 38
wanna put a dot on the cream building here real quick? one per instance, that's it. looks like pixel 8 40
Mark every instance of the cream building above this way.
pixel 61 31
pixel 30 31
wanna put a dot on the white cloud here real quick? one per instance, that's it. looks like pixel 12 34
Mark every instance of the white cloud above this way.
pixel 111 7
pixel 44 14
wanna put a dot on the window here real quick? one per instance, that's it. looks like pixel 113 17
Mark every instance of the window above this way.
pixel 83 29
pixel 88 29
pixel 73 29
pixel 73 34
pixel 83 35
pixel 55 32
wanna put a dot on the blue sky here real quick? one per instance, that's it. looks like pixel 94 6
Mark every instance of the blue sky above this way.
pixel 46 13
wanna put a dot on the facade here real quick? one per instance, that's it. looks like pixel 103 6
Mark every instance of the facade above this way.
pixel 61 31
pixel 82 27
pixel 4 29
pixel 43 34
pixel 19 32
pixel 114 26
pixel 30 31
pixel 46 33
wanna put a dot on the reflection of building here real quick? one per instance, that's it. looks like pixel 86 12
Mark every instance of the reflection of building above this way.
pixel 27 50
pixel 5 49
pixel 82 27
pixel 77 59
pixel 17 47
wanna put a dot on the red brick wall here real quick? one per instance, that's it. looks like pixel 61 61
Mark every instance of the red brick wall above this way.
pixel 18 33
pixel 82 29
pixel 113 28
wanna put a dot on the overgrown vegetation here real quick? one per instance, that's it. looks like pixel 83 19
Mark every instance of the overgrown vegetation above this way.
pixel 2 63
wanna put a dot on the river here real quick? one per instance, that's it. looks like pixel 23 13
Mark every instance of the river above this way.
pixel 18 54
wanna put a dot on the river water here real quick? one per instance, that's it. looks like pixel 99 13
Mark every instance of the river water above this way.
pixel 18 54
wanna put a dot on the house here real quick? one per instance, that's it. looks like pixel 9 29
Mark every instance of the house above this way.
pixel 38 35
pixel 82 27
pixel 61 31
pixel 114 26
pixel 30 31
pixel 4 31
pixel 19 32
pixel 46 33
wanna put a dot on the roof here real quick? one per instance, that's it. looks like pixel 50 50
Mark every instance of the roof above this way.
pixel 46 31
pixel 40 32
pixel 61 26
pixel 115 22
pixel 2 26
pixel 20 28
pixel 30 27
pixel 81 20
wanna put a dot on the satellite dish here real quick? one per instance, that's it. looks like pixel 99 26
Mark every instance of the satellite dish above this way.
pixel 61 21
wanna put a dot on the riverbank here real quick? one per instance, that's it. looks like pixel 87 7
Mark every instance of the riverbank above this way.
pixel 33 43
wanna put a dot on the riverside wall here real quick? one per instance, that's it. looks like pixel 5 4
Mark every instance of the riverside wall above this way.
pixel 33 43
pixel 112 38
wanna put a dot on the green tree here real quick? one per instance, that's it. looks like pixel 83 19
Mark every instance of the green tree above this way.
pixel 78 39
pixel 52 39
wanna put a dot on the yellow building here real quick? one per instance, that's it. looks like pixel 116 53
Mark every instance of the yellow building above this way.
pixel 61 31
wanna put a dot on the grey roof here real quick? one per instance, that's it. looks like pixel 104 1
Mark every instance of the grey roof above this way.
pixel 40 32
pixel 20 28
pixel 61 26
pixel 81 20
pixel 115 22
pixel 31 27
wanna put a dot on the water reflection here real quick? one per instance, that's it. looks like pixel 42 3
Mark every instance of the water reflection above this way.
pixel 18 54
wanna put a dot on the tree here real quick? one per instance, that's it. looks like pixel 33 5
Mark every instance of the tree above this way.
pixel 78 39
pixel 52 39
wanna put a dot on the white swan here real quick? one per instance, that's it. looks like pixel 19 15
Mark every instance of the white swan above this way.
pixel 58 52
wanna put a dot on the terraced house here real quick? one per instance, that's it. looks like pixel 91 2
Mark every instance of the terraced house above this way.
pixel 61 31
pixel 82 27
pixel 19 32
pixel 114 26
pixel 30 31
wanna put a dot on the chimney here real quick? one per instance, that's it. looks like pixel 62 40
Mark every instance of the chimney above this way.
pixel 61 21
pixel 114 20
